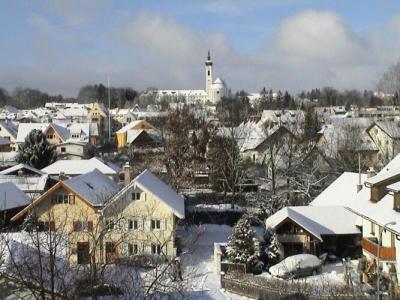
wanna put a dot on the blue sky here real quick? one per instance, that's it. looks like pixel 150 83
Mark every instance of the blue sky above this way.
pixel 58 46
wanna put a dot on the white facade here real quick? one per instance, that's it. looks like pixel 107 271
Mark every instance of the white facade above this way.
pixel 214 90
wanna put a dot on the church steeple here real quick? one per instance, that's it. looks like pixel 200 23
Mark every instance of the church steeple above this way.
pixel 209 61
pixel 209 77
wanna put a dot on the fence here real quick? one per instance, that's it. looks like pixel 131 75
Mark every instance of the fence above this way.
pixel 281 290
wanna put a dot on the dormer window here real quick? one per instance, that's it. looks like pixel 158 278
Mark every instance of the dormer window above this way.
pixel 135 196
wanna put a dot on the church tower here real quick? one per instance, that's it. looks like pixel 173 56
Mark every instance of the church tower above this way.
pixel 209 78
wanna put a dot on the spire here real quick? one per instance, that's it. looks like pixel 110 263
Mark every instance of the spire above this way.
pixel 209 55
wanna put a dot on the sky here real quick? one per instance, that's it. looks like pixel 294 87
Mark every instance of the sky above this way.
pixel 59 45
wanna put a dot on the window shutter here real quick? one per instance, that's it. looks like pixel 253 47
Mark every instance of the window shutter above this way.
pixel 126 224
pixel 71 199
pixel 90 226
pixel 75 225
pixel 140 224
pixel 163 224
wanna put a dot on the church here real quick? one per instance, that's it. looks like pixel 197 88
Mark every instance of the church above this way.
pixel 214 89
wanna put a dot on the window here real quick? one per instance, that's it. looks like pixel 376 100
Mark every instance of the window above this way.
pixel 62 199
pixel 83 225
pixel 155 224
pixel 372 228
pixel 83 253
pixel 155 249
pixel 63 149
pixel 50 136
pixel 133 249
pixel 133 224
pixel 110 224
pixel 135 196
pixel 75 136
pixel 111 252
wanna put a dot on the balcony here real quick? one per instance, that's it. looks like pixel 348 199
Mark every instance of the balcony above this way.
pixel 385 253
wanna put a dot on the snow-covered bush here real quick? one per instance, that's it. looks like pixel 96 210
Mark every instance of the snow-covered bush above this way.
pixel 241 246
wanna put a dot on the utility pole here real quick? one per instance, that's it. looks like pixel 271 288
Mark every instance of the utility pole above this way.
pixel 109 109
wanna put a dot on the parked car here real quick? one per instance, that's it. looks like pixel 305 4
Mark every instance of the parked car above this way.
pixel 300 265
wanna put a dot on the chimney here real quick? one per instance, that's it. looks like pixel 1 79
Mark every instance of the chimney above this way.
pixel 127 173
pixel 61 176
pixel 370 172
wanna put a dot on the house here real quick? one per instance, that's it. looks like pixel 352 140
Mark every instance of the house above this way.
pixel 71 150
pixel 374 198
pixel 149 210
pixel 347 138
pixel 130 132
pixel 72 207
pixel 30 180
pixel 12 200
pixel 386 136
pixel 316 230
pixel 98 114
pixel 71 168
pixel 55 134
pixel 9 131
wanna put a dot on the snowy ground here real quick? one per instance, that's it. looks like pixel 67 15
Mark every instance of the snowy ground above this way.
pixel 198 259
pixel 199 271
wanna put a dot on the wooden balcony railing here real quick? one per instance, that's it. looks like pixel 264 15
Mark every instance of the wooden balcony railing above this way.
pixel 385 253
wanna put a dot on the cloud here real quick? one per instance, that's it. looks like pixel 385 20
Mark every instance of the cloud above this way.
pixel 308 49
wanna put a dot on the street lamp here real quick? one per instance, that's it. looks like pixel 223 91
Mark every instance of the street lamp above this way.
pixel 378 270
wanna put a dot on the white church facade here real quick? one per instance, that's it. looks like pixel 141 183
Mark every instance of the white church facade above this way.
pixel 214 89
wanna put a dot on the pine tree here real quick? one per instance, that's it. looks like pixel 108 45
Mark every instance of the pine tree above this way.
pixel 36 151
pixel 241 247
pixel 273 247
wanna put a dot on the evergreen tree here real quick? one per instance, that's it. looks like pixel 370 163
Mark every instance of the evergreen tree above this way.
pixel 36 151
pixel 241 247
pixel 273 247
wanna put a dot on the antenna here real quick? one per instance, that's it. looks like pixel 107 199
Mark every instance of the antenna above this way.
pixel 109 109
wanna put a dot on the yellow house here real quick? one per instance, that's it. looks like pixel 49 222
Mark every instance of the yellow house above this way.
pixel 122 134
pixel 72 208
pixel 98 114
pixel 142 217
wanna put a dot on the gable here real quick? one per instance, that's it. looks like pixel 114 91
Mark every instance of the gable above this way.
pixel 45 199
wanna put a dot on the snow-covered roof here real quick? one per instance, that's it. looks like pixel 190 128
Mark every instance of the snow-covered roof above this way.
pixel 11 196
pixel 391 128
pixel 394 164
pixel 29 184
pixel 25 128
pixel 150 183
pixel 383 176
pixel 380 212
pixel 134 124
pixel 341 191
pixel 63 132
pixel 94 186
pixel 162 191
pixel 75 167
pixel 10 127
pixel 15 169
pixel 318 220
